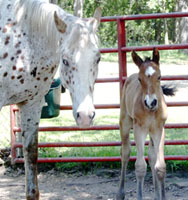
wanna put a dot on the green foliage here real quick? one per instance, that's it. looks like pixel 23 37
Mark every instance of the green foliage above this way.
pixel 138 32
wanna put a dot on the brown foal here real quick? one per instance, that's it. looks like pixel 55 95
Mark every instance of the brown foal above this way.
pixel 143 108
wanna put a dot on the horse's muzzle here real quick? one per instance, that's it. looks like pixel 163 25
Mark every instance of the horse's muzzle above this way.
pixel 84 119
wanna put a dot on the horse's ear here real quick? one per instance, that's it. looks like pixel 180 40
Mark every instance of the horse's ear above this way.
pixel 60 24
pixel 137 60
pixel 156 56
pixel 95 21
pixel 97 15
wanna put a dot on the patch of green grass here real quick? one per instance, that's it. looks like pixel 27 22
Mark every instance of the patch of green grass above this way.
pixel 94 136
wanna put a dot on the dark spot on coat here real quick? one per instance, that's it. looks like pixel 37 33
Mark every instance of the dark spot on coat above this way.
pixel 22 57
pixel 19 77
pixel 35 86
pixel 22 81
pixel 38 79
pixel 7 40
pixel 14 67
pixel 52 70
pixel 19 51
pixel 29 120
pixel 20 69
pixel 46 78
pixel 8 6
pixel 34 72
pixel 12 58
pixel 73 68
pixel 5 55
pixel 5 74
pixel 12 77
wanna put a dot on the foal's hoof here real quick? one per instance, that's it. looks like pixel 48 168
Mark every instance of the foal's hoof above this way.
pixel 120 196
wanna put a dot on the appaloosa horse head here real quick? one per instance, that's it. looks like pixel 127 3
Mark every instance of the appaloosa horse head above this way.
pixel 36 37
pixel 79 65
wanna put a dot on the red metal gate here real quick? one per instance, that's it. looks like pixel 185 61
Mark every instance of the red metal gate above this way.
pixel 122 53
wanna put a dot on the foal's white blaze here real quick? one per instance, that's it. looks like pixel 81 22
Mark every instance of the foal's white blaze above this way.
pixel 149 71
pixel 149 99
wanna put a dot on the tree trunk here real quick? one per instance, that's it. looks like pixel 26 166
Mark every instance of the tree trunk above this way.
pixel 78 8
pixel 182 23
pixel 165 23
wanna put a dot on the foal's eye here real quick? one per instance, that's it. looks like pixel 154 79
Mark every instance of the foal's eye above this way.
pixel 159 78
pixel 65 62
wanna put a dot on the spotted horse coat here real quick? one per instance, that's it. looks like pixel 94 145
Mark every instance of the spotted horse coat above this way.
pixel 35 38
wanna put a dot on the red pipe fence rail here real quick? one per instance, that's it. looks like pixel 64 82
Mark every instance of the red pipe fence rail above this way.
pixel 122 50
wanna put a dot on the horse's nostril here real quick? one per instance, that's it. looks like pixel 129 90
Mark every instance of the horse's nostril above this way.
pixel 145 102
pixel 92 115
pixel 154 103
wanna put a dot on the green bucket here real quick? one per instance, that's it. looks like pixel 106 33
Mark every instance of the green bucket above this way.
pixel 52 100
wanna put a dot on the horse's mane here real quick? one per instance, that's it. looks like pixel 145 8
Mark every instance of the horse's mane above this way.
pixel 39 16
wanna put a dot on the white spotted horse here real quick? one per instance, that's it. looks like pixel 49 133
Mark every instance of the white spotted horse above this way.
pixel 35 38
pixel 143 108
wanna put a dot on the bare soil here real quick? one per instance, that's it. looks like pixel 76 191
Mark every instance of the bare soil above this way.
pixel 101 185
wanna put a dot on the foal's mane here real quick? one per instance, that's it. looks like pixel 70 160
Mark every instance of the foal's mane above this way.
pixel 38 15
pixel 147 59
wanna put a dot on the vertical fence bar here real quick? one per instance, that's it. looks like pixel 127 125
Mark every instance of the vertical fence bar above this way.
pixel 13 134
pixel 122 56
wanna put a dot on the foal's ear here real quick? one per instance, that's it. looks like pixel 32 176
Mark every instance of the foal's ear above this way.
pixel 156 56
pixel 60 24
pixel 137 60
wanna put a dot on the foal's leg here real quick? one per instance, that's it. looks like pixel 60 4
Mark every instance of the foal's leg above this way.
pixel 30 116
pixel 140 165
pixel 158 163
pixel 125 126
pixel 152 161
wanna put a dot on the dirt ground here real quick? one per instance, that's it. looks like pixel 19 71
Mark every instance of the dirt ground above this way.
pixel 101 185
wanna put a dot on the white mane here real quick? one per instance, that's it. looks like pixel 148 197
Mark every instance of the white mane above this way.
pixel 38 15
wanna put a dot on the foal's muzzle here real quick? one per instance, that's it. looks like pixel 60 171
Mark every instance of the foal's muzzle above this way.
pixel 151 102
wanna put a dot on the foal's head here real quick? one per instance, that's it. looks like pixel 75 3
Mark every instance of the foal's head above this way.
pixel 149 77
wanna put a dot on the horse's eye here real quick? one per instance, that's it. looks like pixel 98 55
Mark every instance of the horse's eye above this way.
pixel 98 60
pixel 139 80
pixel 159 78
pixel 65 62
